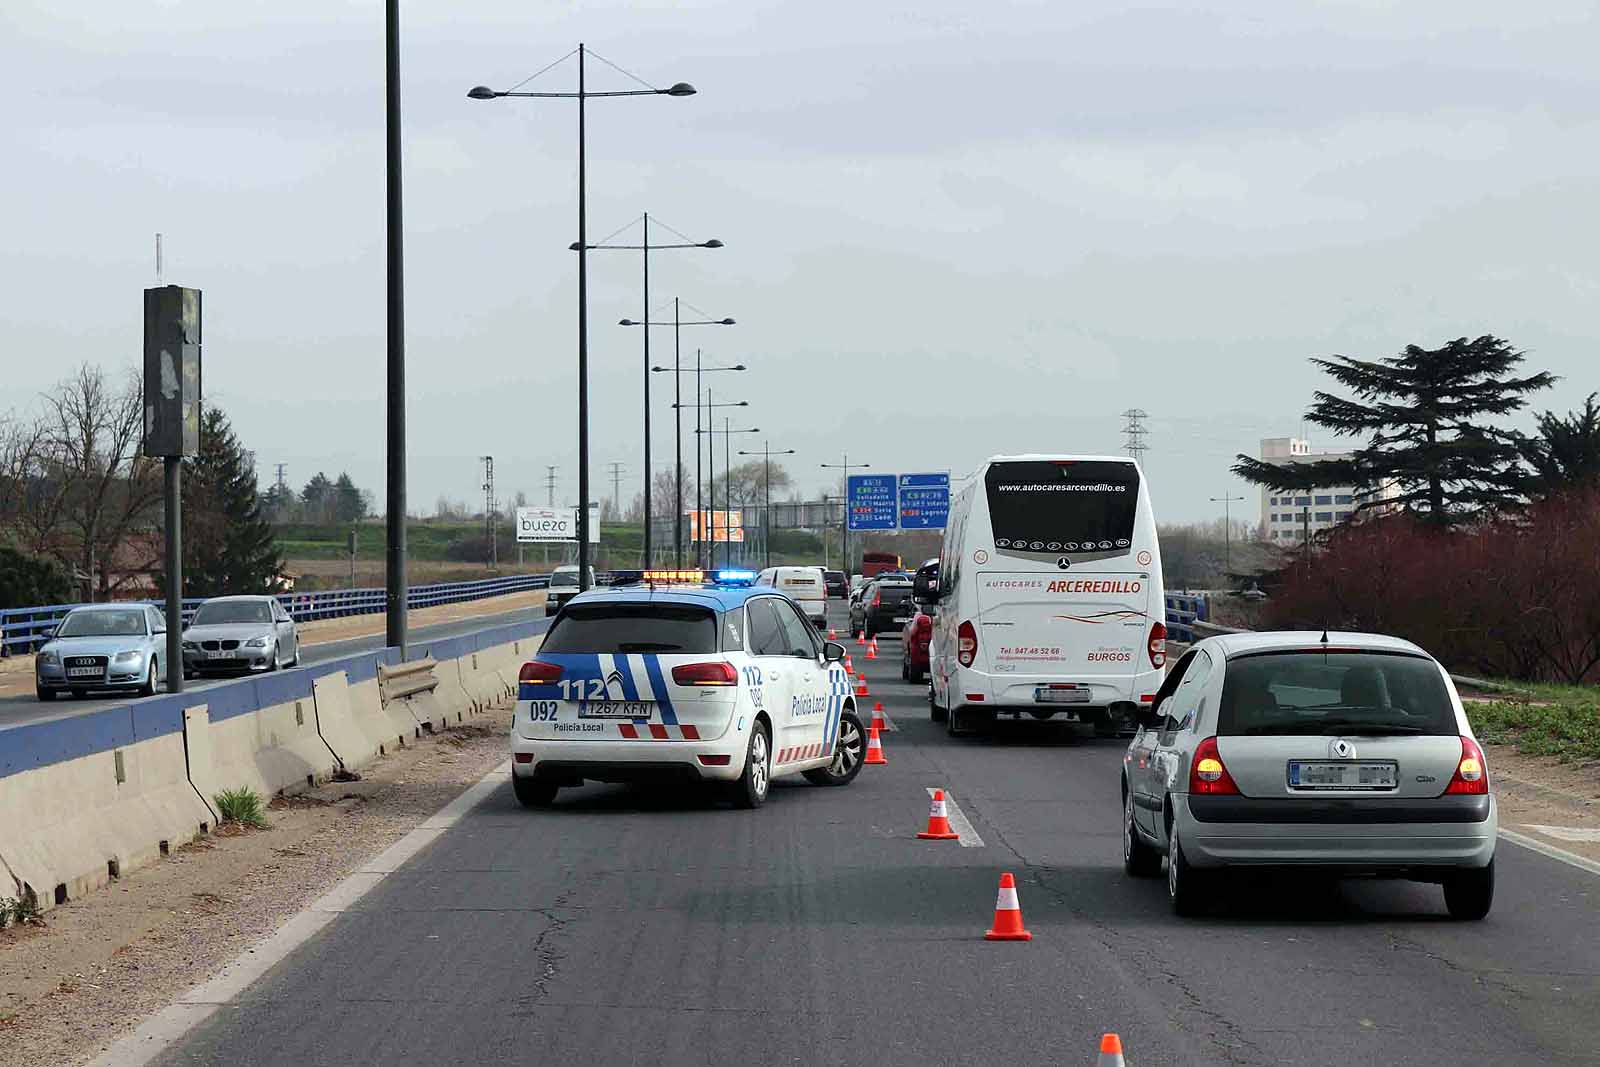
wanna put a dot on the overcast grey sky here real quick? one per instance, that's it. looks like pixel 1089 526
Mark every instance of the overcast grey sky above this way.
pixel 952 229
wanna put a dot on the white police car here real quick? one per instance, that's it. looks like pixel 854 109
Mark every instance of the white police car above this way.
pixel 679 680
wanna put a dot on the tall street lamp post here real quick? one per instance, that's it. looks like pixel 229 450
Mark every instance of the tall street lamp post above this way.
pixel 847 467
pixel 646 248
pixel 711 461
pixel 483 92
pixel 677 397
pixel 677 407
pixel 766 454
pixel 1227 530
pixel 394 626
pixel 727 433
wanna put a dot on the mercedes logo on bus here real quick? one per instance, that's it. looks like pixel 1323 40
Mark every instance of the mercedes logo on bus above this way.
pixel 1063 563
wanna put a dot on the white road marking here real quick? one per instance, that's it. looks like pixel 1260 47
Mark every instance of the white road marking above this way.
pixel 958 821
pixel 1569 858
pixel 168 1026
pixel 1579 834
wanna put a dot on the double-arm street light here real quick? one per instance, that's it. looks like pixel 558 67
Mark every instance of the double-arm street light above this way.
pixel 766 515
pixel 847 467
pixel 677 398
pixel 727 433
pixel 677 373
pixel 711 456
pixel 483 92
pixel 646 248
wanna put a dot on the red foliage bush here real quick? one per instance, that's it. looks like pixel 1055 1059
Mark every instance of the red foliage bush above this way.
pixel 1518 597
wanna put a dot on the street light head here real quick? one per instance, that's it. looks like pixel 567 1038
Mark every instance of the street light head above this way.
pixel 738 366
pixel 744 403
pixel 661 370
pixel 575 247
pixel 482 92
pixel 680 89
pixel 713 243
pixel 626 322
pixel 726 322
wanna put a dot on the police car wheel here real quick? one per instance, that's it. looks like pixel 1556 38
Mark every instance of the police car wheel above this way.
pixel 847 755
pixel 534 792
pixel 750 791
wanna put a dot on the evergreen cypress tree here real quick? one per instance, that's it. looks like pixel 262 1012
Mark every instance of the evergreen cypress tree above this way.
pixel 1420 411
pixel 228 545
pixel 1566 452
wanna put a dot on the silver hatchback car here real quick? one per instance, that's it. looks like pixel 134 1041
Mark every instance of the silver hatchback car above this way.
pixel 1345 752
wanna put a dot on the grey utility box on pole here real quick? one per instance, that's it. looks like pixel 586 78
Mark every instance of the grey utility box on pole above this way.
pixel 172 430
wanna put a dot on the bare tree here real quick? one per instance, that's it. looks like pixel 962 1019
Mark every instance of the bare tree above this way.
pixel 19 454
pixel 94 490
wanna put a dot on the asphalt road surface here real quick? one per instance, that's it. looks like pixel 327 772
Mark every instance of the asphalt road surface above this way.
pixel 25 708
pixel 631 925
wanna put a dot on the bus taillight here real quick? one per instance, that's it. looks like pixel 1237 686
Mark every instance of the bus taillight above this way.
pixel 967 644
pixel 1158 645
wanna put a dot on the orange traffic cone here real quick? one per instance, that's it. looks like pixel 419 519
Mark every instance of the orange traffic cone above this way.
pixel 861 689
pixel 848 665
pixel 874 750
pixel 938 821
pixel 878 721
pixel 1110 1052
pixel 872 650
pixel 1007 912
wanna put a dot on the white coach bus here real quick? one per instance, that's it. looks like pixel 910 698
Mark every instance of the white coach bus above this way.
pixel 1050 599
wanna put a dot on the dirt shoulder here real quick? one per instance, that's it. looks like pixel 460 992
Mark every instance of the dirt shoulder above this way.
pixel 96 967
pixel 1554 802
pixel 16 672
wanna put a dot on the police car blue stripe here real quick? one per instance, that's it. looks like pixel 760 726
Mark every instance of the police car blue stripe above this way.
pixel 630 691
pixel 652 668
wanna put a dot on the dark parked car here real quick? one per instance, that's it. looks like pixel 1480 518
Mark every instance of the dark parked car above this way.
pixel 838 585
pixel 884 606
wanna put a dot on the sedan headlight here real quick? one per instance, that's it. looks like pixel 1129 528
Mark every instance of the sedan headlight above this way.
pixel 129 657
pixel 258 642
pixel 191 646
pixel 48 658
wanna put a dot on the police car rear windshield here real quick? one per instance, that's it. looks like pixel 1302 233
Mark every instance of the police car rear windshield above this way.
pixel 621 628
pixel 1055 506
pixel 1315 692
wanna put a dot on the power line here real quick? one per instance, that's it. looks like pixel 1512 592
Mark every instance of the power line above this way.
pixel 550 484
pixel 617 470
pixel 490 510
pixel 1135 432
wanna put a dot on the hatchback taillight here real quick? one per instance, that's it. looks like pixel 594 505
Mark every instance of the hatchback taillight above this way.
pixel 1158 646
pixel 538 672
pixel 877 600
pixel 1207 775
pixel 1472 773
pixel 719 672
pixel 924 626
pixel 966 644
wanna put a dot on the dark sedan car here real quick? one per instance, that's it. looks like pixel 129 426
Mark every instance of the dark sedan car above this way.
pixel 837 584
pixel 883 606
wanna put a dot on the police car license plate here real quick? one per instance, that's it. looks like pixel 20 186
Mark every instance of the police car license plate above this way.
pixel 616 709
pixel 1043 695
pixel 1342 775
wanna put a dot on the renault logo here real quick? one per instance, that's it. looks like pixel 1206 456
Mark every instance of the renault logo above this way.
pixel 1339 748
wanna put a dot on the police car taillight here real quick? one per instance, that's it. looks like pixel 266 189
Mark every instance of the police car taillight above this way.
pixel 720 672
pixel 538 672
pixel 1472 774
pixel 1158 645
pixel 967 644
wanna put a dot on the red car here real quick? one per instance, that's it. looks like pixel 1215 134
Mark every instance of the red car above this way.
pixel 914 646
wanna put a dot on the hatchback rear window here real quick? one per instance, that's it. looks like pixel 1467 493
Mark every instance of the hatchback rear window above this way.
pixel 894 594
pixel 1055 506
pixel 1315 692
pixel 613 628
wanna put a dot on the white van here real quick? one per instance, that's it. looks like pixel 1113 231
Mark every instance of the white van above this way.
pixel 806 586
pixel 1050 594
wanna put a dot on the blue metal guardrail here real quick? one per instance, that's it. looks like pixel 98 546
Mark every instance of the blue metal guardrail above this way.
pixel 25 629
pixel 1183 611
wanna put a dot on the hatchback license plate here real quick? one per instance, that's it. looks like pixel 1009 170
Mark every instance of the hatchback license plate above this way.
pixel 616 709
pixel 1342 775
pixel 84 672
pixel 1060 696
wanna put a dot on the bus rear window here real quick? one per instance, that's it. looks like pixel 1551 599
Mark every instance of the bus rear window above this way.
pixel 1056 506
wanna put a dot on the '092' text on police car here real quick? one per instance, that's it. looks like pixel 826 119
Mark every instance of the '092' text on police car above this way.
pixel 680 680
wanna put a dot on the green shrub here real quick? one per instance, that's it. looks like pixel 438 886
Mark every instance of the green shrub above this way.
pixel 242 806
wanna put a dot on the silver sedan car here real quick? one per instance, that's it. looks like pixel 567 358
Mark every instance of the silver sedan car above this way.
pixel 1344 752
pixel 240 633
pixel 102 646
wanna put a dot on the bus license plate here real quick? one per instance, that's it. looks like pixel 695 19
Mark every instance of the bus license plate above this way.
pixel 616 709
pixel 1060 696
pixel 1343 775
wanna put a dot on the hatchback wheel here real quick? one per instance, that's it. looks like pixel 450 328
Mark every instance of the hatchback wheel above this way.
pixel 847 755
pixel 750 791
pixel 1186 887
pixel 1470 894
pixel 533 792
pixel 1139 857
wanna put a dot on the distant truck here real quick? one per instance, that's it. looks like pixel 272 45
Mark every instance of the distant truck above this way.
pixel 876 563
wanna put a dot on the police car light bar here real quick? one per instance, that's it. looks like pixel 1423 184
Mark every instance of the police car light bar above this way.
pixel 736 577
pixel 688 577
